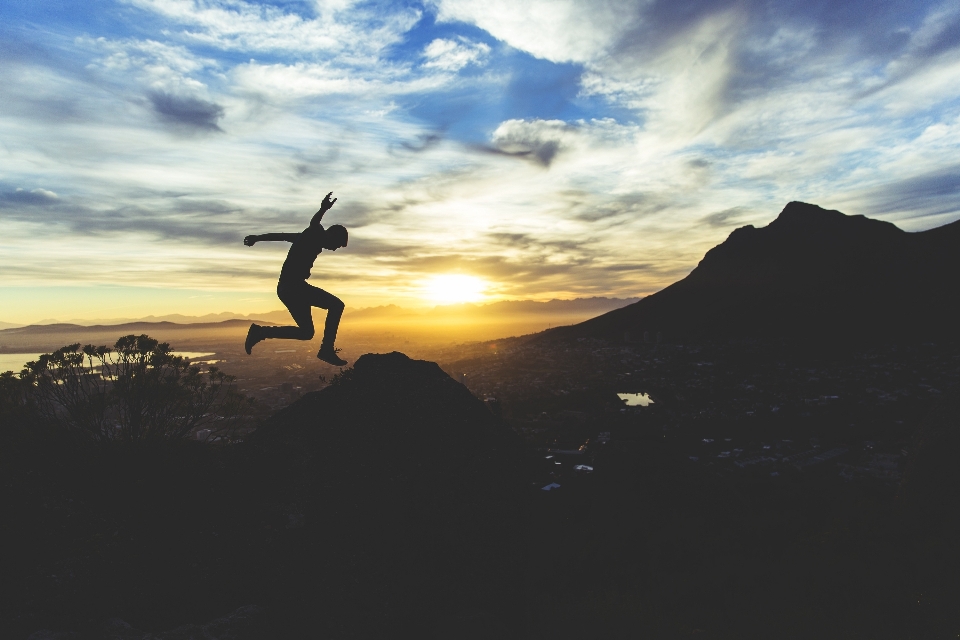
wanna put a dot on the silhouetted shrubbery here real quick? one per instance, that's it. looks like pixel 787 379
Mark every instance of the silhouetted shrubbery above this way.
pixel 136 391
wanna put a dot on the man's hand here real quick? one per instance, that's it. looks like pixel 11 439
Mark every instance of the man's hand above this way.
pixel 327 202
pixel 324 206
pixel 250 240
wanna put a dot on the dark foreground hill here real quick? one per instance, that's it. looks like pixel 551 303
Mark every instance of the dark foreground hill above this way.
pixel 392 505
pixel 386 505
pixel 409 492
pixel 810 274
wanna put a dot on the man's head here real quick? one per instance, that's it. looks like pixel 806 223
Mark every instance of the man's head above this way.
pixel 335 237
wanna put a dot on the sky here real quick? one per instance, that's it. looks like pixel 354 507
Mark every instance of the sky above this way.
pixel 484 150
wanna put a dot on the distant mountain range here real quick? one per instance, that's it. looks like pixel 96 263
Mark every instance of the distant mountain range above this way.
pixel 578 306
pixel 451 323
pixel 811 273
pixel 46 337
pixel 126 327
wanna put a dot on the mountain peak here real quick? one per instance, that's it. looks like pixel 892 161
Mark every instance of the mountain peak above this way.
pixel 798 217
pixel 804 213
pixel 812 272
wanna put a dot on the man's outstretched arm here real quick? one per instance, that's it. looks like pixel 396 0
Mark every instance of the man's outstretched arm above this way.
pixel 270 237
pixel 324 207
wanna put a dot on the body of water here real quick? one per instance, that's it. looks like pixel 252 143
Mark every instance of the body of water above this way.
pixel 636 399
pixel 16 361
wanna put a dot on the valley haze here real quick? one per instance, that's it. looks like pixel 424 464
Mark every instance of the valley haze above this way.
pixel 430 327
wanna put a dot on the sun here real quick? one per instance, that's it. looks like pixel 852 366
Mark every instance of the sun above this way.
pixel 453 288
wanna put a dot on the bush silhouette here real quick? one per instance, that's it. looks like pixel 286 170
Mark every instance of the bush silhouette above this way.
pixel 138 390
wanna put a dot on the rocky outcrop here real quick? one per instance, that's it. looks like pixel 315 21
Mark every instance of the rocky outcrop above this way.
pixel 402 502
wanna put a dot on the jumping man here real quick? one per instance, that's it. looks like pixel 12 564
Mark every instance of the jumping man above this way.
pixel 294 292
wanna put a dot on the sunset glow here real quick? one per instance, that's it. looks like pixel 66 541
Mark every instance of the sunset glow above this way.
pixel 454 288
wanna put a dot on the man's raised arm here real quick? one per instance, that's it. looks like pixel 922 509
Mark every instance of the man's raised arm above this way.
pixel 270 237
pixel 324 207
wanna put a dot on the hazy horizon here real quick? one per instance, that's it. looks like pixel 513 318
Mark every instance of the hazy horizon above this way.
pixel 375 328
pixel 601 303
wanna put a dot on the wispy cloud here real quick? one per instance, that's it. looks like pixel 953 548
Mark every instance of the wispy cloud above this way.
pixel 337 27
pixel 453 55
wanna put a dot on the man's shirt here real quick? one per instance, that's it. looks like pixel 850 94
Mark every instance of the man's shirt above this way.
pixel 302 253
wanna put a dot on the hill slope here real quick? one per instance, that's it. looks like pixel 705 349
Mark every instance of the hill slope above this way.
pixel 414 485
pixel 811 273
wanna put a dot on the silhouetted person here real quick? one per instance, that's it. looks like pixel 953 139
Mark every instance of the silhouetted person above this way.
pixel 296 294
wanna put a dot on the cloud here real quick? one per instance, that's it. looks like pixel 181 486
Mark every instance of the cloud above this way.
pixel 724 218
pixel 928 194
pixel 34 197
pixel 557 30
pixel 156 60
pixel 167 219
pixel 281 83
pixel 939 33
pixel 686 66
pixel 339 27
pixel 453 55
pixel 527 242
pixel 424 142
pixel 187 111
pixel 539 140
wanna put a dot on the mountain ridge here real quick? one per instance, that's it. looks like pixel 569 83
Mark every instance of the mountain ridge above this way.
pixel 811 273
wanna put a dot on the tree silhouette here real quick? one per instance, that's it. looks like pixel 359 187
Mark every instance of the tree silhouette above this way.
pixel 139 390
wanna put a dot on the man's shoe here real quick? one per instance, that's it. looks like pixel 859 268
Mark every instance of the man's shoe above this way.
pixel 253 337
pixel 329 355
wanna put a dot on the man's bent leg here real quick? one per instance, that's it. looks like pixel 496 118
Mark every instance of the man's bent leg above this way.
pixel 334 306
pixel 317 297
pixel 332 323
pixel 297 301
